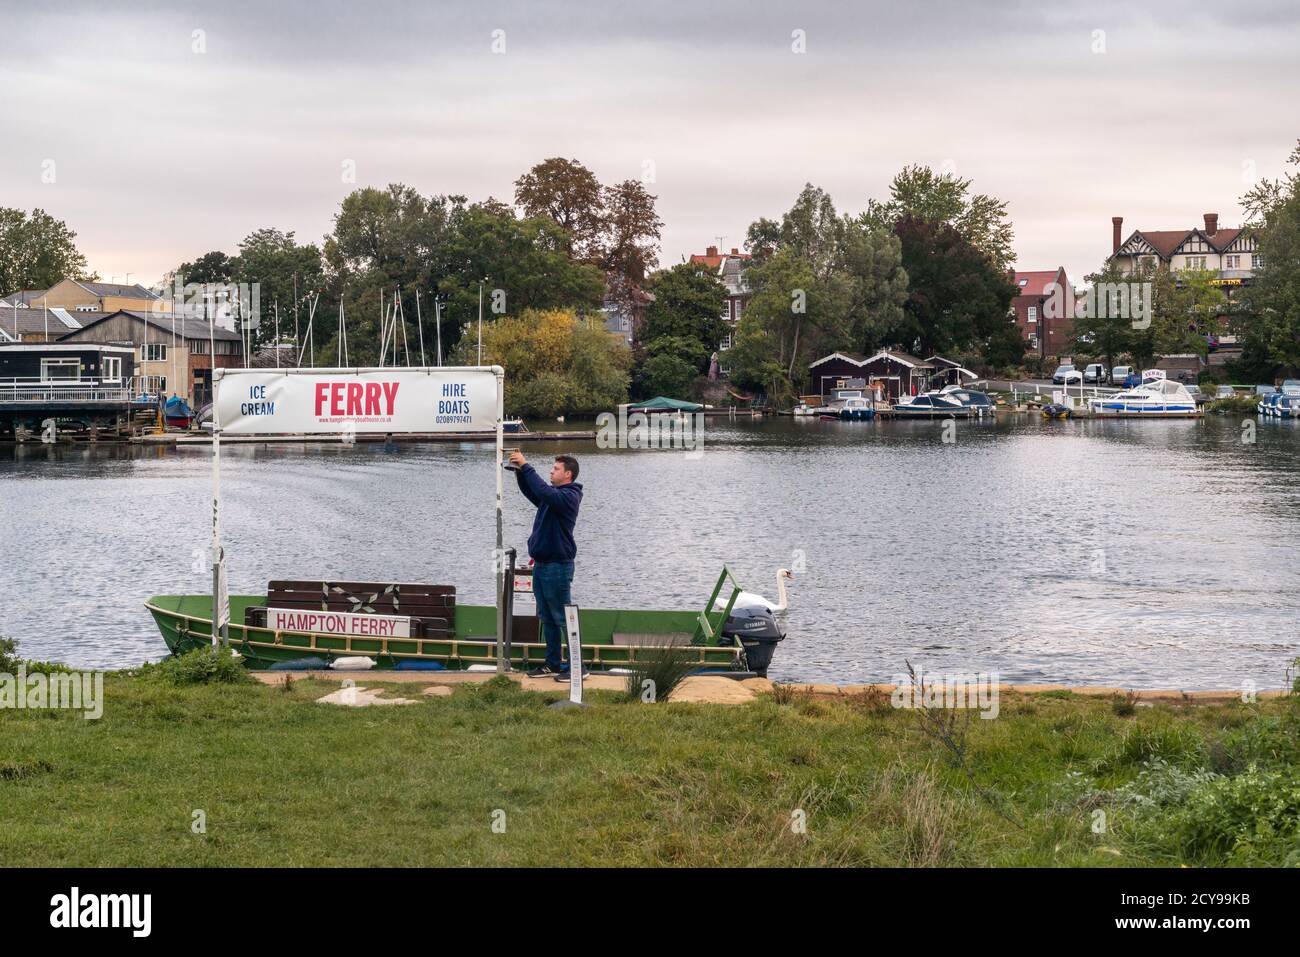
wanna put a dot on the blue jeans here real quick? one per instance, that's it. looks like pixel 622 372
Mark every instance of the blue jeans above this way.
pixel 551 583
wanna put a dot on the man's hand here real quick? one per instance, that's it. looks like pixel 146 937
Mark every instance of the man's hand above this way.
pixel 517 458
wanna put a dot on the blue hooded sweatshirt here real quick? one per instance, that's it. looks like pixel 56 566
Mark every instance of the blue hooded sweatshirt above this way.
pixel 557 513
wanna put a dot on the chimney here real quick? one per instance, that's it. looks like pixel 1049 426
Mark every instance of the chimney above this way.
pixel 1211 223
pixel 735 251
pixel 1117 222
pixel 711 251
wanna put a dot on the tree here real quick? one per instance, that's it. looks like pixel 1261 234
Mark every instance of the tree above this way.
pixel 920 193
pixel 688 309
pixel 36 251
pixel 1103 329
pixel 958 297
pixel 568 194
pixel 556 362
pixel 632 236
pixel 279 266
pixel 1269 321
pixel 212 267
pixel 821 282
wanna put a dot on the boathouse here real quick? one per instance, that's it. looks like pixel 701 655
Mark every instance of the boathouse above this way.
pixel 947 372
pixel 899 373
pixel 85 384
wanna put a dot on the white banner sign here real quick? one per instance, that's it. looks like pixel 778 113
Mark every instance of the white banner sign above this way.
pixel 269 401
pixel 338 623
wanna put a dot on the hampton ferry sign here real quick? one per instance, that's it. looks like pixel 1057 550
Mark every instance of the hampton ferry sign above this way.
pixel 328 401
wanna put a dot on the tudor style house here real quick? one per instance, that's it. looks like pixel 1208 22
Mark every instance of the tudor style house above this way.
pixel 730 268
pixel 1232 253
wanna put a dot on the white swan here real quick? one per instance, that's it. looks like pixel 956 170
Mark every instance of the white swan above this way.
pixel 747 599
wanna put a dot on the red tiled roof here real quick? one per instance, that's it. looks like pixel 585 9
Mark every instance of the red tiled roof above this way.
pixel 1034 283
pixel 715 260
pixel 1223 238
pixel 1166 241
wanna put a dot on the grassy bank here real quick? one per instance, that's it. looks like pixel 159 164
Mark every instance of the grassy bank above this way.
pixel 285 781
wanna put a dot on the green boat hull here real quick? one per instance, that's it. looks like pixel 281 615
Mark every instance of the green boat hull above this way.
pixel 186 623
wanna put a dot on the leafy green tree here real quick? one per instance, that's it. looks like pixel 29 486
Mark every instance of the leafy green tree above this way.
pixel 687 307
pixel 821 282
pixel 1269 321
pixel 281 267
pixel 666 373
pixel 36 251
pixel 1104 329
pixel 922 194
pixel 957 297
pixel 211 267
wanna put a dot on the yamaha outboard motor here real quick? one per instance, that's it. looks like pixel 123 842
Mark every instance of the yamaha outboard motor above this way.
pixel 758 631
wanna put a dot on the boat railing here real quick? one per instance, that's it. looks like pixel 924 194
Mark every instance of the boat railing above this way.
pixel 710 623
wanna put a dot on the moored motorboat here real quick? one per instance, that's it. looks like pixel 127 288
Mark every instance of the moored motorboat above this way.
pixel 978 402
pixel 1055 410
pixel 930 405
pixel 857 410
pixel 1153 397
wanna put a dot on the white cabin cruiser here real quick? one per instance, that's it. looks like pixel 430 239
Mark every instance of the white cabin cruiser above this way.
pixel 1154 397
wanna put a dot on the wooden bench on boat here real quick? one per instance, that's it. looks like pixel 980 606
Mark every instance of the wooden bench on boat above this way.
pixel 430 609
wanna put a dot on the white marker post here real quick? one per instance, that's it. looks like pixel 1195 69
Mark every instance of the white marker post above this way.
pixel 575 661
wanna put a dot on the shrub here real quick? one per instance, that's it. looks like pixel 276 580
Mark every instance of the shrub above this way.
pixel 665 666
pixel 1250 819
pixel 202 666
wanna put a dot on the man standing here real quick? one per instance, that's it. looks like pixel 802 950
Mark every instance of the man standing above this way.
pixel 552 549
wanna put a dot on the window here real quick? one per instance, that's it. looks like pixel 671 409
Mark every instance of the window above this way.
pixel 60 370
pixel 1232 262
pixel 1256 262
pixel 87 309
pixel 737 310
pixel 726 342
pixel 153 352
pixel 1032 314
pixel 112 369
pixel 1033 340
pixel 1194 262
pixel 726 309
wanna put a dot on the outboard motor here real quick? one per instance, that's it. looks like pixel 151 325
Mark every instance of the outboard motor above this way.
pixel 758 631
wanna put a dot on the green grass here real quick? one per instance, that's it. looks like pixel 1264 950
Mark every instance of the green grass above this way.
pixel 285 781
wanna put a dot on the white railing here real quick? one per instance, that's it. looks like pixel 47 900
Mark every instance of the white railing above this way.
pixel 138 389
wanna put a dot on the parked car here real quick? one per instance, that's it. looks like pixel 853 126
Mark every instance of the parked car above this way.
pixel 1066 375
pixel 1264 390
pixel 1195 392
pixel 1095 372
pixel 1291 387
pixel 1224 392
pixel 1120 374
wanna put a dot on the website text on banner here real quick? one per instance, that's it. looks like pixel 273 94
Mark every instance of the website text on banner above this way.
pixel 447 399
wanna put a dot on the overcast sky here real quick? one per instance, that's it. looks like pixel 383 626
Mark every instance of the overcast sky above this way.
pixel 166 143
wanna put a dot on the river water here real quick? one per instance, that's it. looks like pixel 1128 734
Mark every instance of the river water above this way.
pixel 1151 554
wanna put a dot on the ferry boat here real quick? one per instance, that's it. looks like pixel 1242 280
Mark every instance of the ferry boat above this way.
pixel 415 626
pixel 1154 397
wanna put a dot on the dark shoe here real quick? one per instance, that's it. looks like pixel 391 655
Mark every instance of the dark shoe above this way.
pixel 542 672
pixel 565 674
